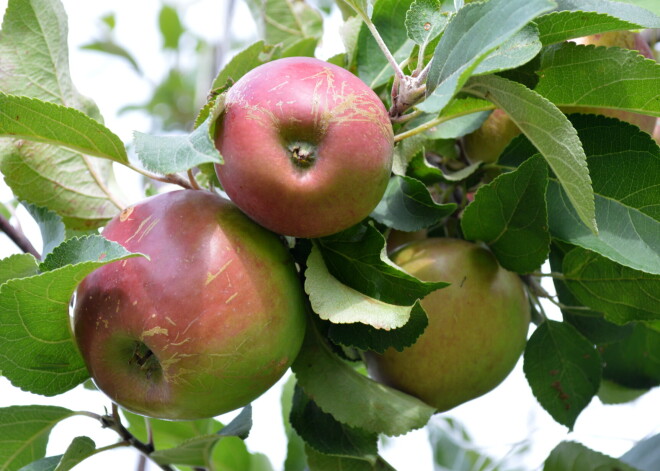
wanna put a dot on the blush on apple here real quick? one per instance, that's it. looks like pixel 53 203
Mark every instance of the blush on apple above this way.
pixel 209 322
pixel 307 147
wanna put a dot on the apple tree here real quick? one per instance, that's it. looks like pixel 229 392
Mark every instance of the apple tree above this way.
pixel 413 190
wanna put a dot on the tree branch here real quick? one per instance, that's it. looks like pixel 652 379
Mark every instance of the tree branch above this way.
pixel 17 237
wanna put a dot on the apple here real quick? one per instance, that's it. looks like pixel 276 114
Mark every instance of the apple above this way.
pixel 208 323
pixel 488 142
pixel 307 147
pixel 477 326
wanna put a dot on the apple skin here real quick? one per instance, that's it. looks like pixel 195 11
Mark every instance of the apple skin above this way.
pixel 307 147
pixel 219 305
pixel 488 142
pixel 477 326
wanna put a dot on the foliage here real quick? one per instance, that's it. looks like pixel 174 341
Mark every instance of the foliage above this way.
pixel 578 191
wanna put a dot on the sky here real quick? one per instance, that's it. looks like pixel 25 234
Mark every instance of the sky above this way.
pixel 501 421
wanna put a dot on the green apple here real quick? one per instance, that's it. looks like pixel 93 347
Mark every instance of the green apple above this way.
pixel 210 321
pixel 477 326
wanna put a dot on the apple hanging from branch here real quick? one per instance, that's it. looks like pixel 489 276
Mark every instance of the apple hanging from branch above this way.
pixel 208 323
pixel 477 326
pixel 307 147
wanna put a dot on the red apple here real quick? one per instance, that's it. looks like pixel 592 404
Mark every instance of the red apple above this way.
pixel 477 326
pixel 207 324
pixel 307 147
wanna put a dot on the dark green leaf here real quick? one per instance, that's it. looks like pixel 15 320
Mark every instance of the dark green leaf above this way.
pixel 516 51
pixel 246 60
pixel 563 369
pixel 634 361
pixel 557 140
pixel 621 293
pixel 355 257
pixel 366 337
pixel 323 433
pixel 321 462
pixel 295 448
pixel 372 406
pixel 509 214
pixel 571 456
pixel 420 169
pixel 408 206
pixel 37 351
pixel 24 432
pixel 340 304
pixel 473 33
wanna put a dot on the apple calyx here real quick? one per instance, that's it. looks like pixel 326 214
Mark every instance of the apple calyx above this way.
pixel 303 154
pixel 143 357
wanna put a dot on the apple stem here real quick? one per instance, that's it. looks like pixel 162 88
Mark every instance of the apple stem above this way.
pixel 173 178
pixel 193 181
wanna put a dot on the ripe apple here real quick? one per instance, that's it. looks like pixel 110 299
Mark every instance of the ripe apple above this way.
pixel 208 323
pixel 307 147
pixel 477 326
pixel 489 141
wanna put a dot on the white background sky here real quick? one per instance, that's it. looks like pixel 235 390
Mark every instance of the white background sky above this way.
pixel 505 418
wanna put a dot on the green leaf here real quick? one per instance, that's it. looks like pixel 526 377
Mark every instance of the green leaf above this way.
pixel 51 226
pixel 420 169
pixel 80 449
pixel 521 48
pixel 24 432
pixel 38 29
pixel 453 448
pixel 556 139
pixel 618 78
pixel 645 455
pixel 168 433
pixel 626 211
pixel 559 26
pixel 426 19
pixel 372 406
pixel 356 258
pixel 366 337
pixel 408 206
pixel 322 462
pixel 621 293
pixel 172 154
pixel 171 28
pixel 563 369
pixel 634 361
pixel 574 19
pixel 340 304
pixel 611 393
pixel 323 433
pixel 388 17
pixel 37 351
pixel 28 118
pixel 76 191
pixel 571 456
pixel 246 60
pixel 473 33
pixel 509 214
pixel 197 451
pixel 295 448
pixel 286 21
pixel 20 265
pixel 112 48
